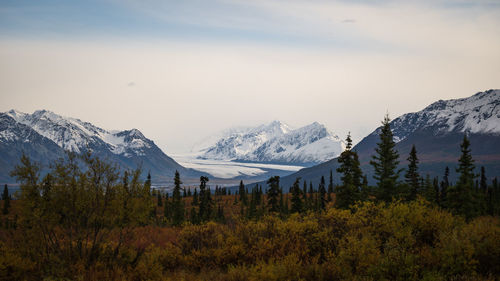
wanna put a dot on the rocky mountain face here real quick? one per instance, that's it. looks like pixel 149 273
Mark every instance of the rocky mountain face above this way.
pixel 276 142
pixel 436 131
pixel 45 136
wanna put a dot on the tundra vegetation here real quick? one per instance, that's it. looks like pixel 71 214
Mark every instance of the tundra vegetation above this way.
pixel 85 220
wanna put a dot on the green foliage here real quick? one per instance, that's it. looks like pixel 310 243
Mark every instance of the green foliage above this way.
pixel 6 200
pixel 205 201
pixel 350 190
pixel 243 194
pixel 445 184
pixel 177 203
pixel 412 176
pixel 461 198
pixel 70 216
pixel 385 163
pixel 273 193
pixel 297 204
pixel 86 221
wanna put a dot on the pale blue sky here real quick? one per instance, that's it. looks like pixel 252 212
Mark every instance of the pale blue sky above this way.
pixel 179 70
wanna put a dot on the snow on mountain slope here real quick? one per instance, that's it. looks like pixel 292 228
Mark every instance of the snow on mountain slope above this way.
pixel 276 142
pixel 45 136
pixel 478 114
pixel 75 135
pixel 238 143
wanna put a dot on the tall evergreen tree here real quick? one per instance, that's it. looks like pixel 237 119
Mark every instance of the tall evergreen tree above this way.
pixel 445 183
pixel 385 163
pixel 330 183
pixel 243 194
pixel 412 177
pixel 349 190
pixel 159 201
pixel 205 201
pixel 322 195
pixel 193 216
pixel 148 182
pixel 273 193
pixel 495 204
pixel 330 187
pixel 282 205
pixel 437 197
pixel 297 204
pixel 195 197
pixel 482 193
pixel 483 184
pixel 461 197
pixel 304 194
pixel 177 203
pixel 6 200
pixel 167 213
pixel 428 190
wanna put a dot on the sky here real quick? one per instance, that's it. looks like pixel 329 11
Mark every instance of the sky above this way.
pixel 180 71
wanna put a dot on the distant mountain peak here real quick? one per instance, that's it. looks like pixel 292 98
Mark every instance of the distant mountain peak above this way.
pixel 44 135
pixel 276 142
pixel 479 114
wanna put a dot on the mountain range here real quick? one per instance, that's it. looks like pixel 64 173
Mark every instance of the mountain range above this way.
pixel 275 143
pixel 45 136
pixel 437 132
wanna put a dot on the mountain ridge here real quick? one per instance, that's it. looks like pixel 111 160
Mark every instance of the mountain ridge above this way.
pixel 436 131
pixel 276 142
pixel 56 134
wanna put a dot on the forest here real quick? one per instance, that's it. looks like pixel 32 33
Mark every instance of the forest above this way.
pixel 85 220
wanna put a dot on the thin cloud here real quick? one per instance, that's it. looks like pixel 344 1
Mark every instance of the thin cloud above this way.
pixel 349 21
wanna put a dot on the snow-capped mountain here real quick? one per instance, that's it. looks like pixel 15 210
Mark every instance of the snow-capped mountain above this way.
pixel 437 132
pixel 237 143
pixel 478 114
pixel 276 142
pixel 55 134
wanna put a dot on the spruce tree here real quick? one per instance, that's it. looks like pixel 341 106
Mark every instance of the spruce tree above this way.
pixel 243 194
pixel 194 216
pixel 304 194
pixel 330 187
pixel 428 190
pixel 220 214
pixel 273 193
pixel 159 202
pixel 195 197
pixel 412 177
pixel 297 204
pixel 322 195
pixel 437 197
pixel 482 193
pixel 445 183
pixel 147 183
pixel 6 200
pixel 385 163
pixel 461 197
pixel 495 187
pixel 205 201
pixel 166 208
pixel 177 204
pixel 282 204
pixel 483 185
pixel 349 190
